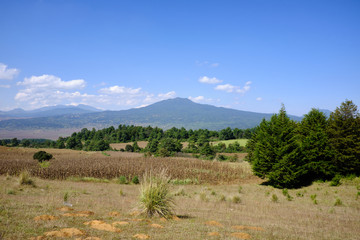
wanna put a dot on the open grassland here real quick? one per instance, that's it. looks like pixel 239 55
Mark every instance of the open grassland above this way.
pixel 242 142
pixel 110 165
pixel 232 211
pixel 238 208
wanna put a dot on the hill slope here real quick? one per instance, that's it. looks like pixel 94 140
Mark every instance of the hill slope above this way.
pixel 178 112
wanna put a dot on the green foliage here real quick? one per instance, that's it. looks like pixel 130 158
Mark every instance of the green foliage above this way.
pixel 338 202
pixel 122 180
pixel 274 198
pixel 42 156
pixel 135 180
pixel 236 199
pixel 335 181
pixel 155 197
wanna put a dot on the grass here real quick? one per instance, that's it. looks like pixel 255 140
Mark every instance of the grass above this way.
pixel 155 196
pixel 297 219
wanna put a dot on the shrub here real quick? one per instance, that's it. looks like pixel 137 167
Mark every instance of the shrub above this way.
pixel 42 156
pixel 338 202
pixel 155 197
pixel 122 180
pixel 222 158
pixel 274 198
pixel 135 180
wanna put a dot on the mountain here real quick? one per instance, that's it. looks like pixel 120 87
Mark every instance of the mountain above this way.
pixel 19 113
pixel 177 112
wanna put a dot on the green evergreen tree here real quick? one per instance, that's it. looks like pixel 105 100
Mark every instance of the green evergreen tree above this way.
pixel 315 146
pixel 344 133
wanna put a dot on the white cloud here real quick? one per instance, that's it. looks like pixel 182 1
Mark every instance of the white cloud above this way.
pixel 120 90
pixel 7 73
pixel 202 99
pixel 51 82
pixel 208 80
pixel 259 99
pixel 236 89
pixel 5 86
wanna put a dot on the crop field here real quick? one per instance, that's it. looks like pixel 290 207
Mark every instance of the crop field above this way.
pixel 215 207
pixel 110 165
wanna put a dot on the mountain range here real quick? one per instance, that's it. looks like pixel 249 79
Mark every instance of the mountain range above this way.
pixel 177 112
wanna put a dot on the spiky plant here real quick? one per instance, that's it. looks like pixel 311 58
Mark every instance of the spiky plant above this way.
pixel 155 197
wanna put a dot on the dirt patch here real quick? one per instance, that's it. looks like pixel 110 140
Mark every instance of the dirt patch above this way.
pixel 154 225
pixel 114 214
pixel 121 223
pixel 214 223
pixel 79 214
pixel 45 218
pixel 240 227
pixel 240 235
pixel 141 236
pixel 176 218
pixel 65 232
pixel 211 234
pixel 65 209
pixel 101 225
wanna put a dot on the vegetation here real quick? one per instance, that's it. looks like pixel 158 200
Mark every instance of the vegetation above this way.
pixel 155 196
pixel 42 156
pixel 293 154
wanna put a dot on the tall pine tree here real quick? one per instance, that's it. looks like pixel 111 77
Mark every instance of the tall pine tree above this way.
pixel 344 133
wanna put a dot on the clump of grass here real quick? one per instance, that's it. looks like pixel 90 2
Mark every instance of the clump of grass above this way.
pixel 121 193
pixel 335 181
pixel 240 189
pixel 203 197
pixel 66 197
pixel 313 198
pixel 274 198
pixel 222 198
pixel 44 164
pixel 236 199
pixel 300 194
pixel 285 192
pixel 155 197
pixel 105 154
pixel 180 192
pixel 357 195
pixel 213 193
pixel 24 179
pixel 11 192
pixel 338 202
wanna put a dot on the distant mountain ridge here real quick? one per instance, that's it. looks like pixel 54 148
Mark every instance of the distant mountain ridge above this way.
pixel 47 111
pixel 177 112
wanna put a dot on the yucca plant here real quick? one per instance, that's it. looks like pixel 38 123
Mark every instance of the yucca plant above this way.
pixel 155 197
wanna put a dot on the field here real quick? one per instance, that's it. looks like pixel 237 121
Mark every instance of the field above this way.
pixel 242 142
pixel 214 207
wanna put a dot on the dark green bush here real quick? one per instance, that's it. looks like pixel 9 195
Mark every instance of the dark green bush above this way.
pixel 42 156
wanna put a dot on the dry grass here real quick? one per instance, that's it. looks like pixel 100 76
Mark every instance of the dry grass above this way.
pixel 70 163
pixel 256 216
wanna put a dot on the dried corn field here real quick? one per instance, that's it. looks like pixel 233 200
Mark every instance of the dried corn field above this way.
pixel 70 163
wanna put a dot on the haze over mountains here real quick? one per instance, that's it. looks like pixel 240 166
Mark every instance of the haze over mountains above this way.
pixel 52 122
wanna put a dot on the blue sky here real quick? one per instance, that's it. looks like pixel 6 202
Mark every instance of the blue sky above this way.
pixel 248 55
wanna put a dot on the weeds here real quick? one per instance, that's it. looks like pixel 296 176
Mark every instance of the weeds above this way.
pixel 236 199
pixel 121 193
pixel 122 180
pixel 240 189
pixel 335 181
pixel 274 198
pixel 338 202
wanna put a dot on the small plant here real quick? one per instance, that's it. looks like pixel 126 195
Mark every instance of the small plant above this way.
pixel 203 197
pixel 122 180
pixel 285 192
pixel 300 194
pixel 121 193
pixel 181 192
pixel 335 181
pixel 240 189
pixel 222 157
pixel 105 154
pixel 222 198
pixel 213 193
pixel 42 156
pixel 357 195
pixel 66 197
pixel 155 197
pixel 11 192
pixel 44 164
pixel 135 180
pixel 274 198
pixel 289 198
pixel 338 202
pixel 267 193
pixel 313 197
pixel 233 158
pixel 236 199
pixel 24 179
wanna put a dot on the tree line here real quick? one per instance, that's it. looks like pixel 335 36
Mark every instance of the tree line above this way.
pixel 160 142
pixel 292 154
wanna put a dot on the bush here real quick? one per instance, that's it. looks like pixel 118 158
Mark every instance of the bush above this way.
pixel 42 156
pixel 335 181
pixel 135 180
pixel 122 180
pixel 24 179
pixel 155 197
